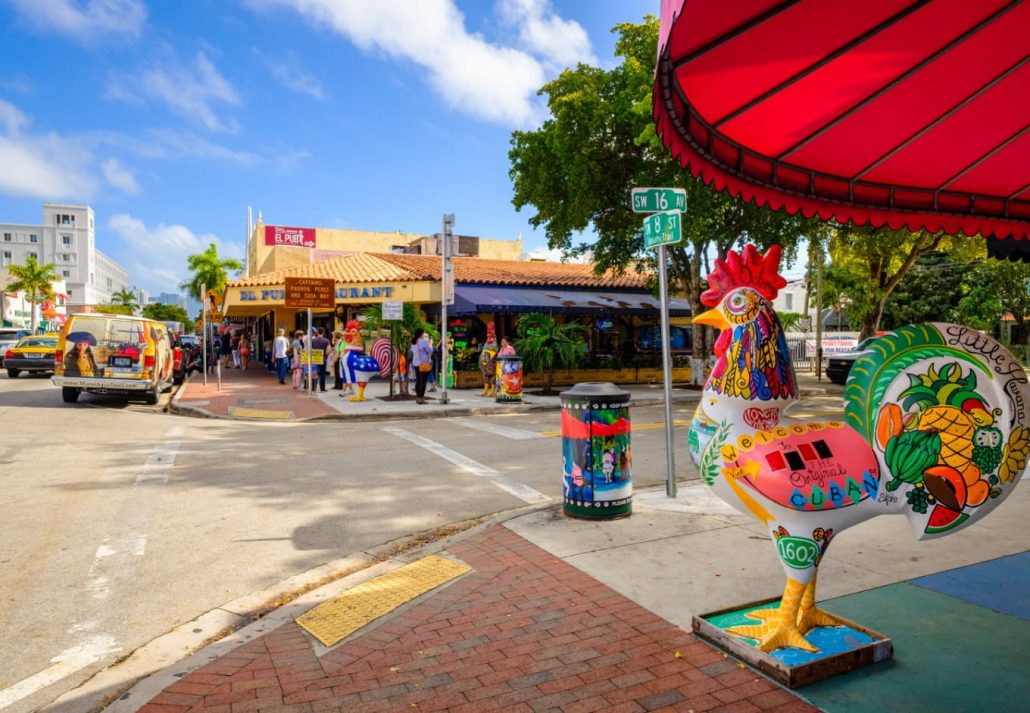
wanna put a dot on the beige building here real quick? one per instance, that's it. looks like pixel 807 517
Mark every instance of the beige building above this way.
pixel 273 248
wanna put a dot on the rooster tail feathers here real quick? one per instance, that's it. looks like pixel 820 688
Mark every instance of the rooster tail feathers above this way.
pixel 947 411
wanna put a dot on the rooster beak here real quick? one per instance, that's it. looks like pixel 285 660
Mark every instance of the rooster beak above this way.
pixel 713 318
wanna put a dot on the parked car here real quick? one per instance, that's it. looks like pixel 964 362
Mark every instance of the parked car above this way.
pixel 840 364
pixel 31 354
pixel 113 353
pixel 8 338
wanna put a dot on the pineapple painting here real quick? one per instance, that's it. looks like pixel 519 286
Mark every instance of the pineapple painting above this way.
pixel 941 438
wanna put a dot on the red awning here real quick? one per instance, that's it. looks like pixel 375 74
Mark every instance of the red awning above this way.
pixel 909 114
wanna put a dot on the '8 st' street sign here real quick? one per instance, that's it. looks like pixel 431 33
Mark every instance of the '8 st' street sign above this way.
pixel 662 228
pixel 652 200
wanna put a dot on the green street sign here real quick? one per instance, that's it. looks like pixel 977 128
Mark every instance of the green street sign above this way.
pixel 662 228
pixel 652 200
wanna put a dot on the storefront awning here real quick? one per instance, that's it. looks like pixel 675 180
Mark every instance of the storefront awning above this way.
pixel 904 113
pixel 470 299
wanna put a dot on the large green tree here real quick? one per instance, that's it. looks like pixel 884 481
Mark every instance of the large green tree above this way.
pixel 997 289
pixel 168 313
pixel 577 169
pixel 931 291
pixel 208 269
pixel 34 280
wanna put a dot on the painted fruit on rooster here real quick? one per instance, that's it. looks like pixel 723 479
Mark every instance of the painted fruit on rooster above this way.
pixel 936 428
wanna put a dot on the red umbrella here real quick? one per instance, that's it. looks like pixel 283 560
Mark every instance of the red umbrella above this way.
pixel 909 114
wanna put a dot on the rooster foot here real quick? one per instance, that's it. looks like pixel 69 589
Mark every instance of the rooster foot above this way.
pixel 810 618
pixel 356 398
pixel 768 617
pixel 772 636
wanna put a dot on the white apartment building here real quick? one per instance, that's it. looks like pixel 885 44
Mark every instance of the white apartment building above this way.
pixel 68 240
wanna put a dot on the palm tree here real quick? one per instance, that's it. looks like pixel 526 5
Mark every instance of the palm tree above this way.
pixel 126 298
pixel 545 344
pixel 210 270
pixel 34 280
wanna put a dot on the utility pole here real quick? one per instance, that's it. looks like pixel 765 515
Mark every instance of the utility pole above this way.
pixel 446 296
pixel 819 313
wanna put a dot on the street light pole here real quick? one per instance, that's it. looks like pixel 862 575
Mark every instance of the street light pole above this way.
pixel 446 297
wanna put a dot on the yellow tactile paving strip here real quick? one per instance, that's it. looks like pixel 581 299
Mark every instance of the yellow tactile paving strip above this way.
pixel 258 413
pixel 344 614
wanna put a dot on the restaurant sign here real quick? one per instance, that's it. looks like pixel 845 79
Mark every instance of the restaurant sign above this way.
pixel 316 292
pixel 370 292
pixel 280 236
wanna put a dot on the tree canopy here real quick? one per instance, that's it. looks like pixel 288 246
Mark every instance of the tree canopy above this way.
pixel 577 169
pixel 34 280
pixel 209 270
pixel 125 297
pixel 168 313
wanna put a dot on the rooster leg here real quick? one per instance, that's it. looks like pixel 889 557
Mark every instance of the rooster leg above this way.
pixel 781 630
pixel 809 616
pixel 360 396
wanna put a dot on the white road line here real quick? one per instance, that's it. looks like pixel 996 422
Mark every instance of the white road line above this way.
pixel 516 434
pixel 114 563
pixel 519 490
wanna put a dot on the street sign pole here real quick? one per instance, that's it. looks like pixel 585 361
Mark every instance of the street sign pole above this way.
pixel 446 295
pixel 670 455
pixel 310 349
pixel 203 327
pixel 663 227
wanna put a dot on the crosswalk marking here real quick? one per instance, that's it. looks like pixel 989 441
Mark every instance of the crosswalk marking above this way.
pixel 515 434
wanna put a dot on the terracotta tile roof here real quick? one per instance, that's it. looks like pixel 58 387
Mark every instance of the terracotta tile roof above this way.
pixel 392 267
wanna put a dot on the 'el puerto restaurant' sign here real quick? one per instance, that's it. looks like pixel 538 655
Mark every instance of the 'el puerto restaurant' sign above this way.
pixel 280 236
pixel 377 292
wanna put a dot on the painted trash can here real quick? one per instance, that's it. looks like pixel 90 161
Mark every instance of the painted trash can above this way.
pixel 509 379
pixel 596 455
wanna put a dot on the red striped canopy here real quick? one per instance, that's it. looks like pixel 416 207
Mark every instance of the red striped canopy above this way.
pixel 882 112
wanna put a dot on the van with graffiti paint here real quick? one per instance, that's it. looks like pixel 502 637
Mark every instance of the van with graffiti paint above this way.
pixel 113 354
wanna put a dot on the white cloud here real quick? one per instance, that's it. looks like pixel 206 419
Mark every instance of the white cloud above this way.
pixel 119 176
pixel 556 255
pixel 189 91
pixel 288 72
pixel 560 43
pixel 156 256
pixel 173 144
pixel 87 21
pixel 46 166
pixel 486 80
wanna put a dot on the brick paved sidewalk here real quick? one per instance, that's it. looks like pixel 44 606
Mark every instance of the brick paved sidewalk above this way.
pixel 249 393
pixel 523 632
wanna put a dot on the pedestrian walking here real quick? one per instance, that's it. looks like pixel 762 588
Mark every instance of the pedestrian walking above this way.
pixel 296 346
pixel 234 344
pixel 435 364
pixel 243 351
pixel 280 354
pixel 336 356
pixel 422 361
pixel 225 342
pixel 320 344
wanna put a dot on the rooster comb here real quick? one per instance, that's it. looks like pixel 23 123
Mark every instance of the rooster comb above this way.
pixel 746 269
pixel 353 324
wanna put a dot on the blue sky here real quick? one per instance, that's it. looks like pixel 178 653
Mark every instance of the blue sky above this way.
pixel 170 117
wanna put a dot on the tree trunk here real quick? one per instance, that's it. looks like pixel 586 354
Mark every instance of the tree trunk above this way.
pixel 32 319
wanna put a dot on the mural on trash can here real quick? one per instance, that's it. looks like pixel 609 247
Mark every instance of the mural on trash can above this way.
pixel 509 379
pixel 937 428
pixel 597 458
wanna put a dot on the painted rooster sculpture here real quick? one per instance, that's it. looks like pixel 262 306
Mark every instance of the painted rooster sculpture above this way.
pixel 937 429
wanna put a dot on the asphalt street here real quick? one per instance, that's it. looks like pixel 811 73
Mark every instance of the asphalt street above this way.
pixel 122 522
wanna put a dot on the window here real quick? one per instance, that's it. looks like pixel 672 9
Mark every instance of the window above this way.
pixel 67 257
pixel 66 239
pixel 7 257
pixel 788 300
pixel 110 284
pixel 64 219
pixel 33 255
pixel 66 273
pixel 7 237
pixel 33 238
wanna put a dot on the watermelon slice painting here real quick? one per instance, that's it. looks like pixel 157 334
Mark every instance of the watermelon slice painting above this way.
pixel 943 519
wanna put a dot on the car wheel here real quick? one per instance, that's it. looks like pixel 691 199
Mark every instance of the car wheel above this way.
pixel 151 397
pixel 70 394
pixel 13 373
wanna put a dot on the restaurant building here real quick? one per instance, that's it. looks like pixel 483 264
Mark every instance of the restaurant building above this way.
pixel 620 311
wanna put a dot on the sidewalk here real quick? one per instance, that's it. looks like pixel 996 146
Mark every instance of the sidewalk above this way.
pixel 255 394
pixel 559 614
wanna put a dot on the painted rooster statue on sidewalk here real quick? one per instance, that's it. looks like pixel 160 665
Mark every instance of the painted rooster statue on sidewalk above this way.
pixel 937 428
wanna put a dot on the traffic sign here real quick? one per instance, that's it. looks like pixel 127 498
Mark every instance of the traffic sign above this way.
pixel 316 292
pixel 652 200
pixel 662 228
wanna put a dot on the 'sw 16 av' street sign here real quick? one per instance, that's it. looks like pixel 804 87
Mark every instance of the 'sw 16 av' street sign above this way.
pixel 652 200
pixel 662 228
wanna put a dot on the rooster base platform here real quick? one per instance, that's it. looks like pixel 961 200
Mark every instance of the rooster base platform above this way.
pixel 936 429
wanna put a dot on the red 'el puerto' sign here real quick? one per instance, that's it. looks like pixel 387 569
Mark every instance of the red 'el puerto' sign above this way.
pixel 281 236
